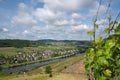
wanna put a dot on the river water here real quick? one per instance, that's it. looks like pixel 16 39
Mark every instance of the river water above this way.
pixel 28 67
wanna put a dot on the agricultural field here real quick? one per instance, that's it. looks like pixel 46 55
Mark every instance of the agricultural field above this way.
pixel 11 51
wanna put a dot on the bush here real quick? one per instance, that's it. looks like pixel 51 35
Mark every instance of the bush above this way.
pixel 48 69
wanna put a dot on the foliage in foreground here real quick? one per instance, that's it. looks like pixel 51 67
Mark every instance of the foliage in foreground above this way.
pixel 103 61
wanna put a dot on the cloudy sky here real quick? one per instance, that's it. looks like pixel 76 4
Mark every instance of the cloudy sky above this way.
pixel 53 19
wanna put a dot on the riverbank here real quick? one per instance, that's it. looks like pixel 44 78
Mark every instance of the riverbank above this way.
pixel 4 66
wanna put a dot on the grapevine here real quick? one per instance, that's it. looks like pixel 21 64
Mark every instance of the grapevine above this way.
pixel 103 60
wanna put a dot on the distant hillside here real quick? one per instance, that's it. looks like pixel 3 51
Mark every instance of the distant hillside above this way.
pixel 27 43
pixel 63 42
pixel 16 43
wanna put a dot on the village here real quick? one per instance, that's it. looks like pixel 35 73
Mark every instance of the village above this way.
pixel 21 57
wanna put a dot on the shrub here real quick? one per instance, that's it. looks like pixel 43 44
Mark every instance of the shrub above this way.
pixel 48 69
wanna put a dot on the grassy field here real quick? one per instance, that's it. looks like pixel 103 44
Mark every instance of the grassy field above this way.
pixel 58 72
pixel 11 51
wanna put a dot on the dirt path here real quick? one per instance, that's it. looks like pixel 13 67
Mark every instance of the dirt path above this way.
pixel 73 72
pixel 68 76
pixel 77 68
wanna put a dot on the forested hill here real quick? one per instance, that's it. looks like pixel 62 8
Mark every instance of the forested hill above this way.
pixel 16 43
pixel 27 43
pixel 64 42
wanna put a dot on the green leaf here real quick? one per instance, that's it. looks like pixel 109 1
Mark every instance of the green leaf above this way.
pixel 107 29
pixel 98 42
pixel 107 73
pixel 100 52
pixel 102 61
pixel 87 67
pixel 109 18
pixel 112 22
pixel 96 26
pixel 102 78
pixel 109 44
pixel 118 62
pixel 90 54
pixel 117 30
pixel 90 33
pixel 94 20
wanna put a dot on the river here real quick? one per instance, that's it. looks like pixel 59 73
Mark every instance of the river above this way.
pixel 28 67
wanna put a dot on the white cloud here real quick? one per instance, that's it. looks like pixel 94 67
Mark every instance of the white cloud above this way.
pixel 76 16
pixel 22 7
pixel 55 19
pixel 48 16
pixel 79 32
pixel 47 30
pixel 61 23
pixel 74 22
pixel 38 29
pixel 50 32
pixel 4 30
pixel 101 22
pixel 58 12
pixel 66 5
pixel 8 36
pixel 24 17
pixel 56 15
pixel 94 9
pixel 80 28
pixel 26 32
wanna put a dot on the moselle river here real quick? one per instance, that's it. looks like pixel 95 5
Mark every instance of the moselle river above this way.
pixel 28 67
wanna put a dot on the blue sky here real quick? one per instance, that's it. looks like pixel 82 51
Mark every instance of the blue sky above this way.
pixel 53 19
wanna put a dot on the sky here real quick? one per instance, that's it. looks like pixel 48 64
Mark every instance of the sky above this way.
pixel 54 19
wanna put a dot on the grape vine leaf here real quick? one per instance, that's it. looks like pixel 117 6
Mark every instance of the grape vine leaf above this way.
pixel 117 30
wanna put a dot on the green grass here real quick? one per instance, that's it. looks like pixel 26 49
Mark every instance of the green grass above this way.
pixel 10 51
pixel 25 77
pixel 59 66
